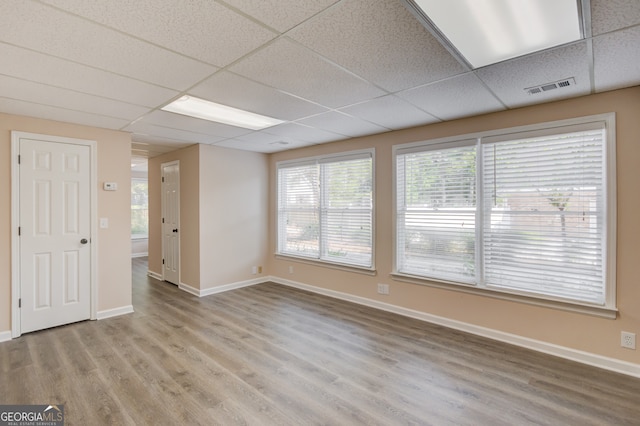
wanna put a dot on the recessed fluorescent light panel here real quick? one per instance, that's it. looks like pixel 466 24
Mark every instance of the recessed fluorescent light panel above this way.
pixel 206 110
pixel 490 31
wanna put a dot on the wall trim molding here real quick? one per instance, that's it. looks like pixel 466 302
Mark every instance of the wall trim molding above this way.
pixel 115 312
pixel 189 289
pixel 611 364
pixel 222 288
pixel 154 275
pixel 5 336
pixel 134 255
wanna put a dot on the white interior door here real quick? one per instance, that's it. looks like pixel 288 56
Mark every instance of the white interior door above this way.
pixel 171 222
pixel 55 233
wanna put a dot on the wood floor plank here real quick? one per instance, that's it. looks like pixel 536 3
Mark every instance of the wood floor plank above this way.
pixel 272 355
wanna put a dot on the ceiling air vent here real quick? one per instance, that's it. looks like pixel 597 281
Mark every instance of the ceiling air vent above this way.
pixel 551 86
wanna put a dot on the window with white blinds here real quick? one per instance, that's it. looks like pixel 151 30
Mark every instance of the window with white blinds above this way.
pixel 325 209
pixel 525 212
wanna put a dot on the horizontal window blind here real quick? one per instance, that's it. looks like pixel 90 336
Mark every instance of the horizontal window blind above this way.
pixel 298 210
pixel 325 209
pixel 523 213
pixel 436 213
pixel 544 204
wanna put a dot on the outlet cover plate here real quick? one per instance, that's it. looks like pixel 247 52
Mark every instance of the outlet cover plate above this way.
pixel 628 340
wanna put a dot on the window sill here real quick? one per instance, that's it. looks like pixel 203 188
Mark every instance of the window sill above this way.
pixel 325 264
pixel 598 311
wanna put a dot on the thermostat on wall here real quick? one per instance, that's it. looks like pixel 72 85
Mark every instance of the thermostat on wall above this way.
pixel 110 186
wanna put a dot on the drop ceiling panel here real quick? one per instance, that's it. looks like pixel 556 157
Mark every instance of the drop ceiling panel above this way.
pixel 163 133
pixel 611 15
pixel 150 146
pixel 264 138
pixel 390 112
pixel 456 97
pixel 296 133
pixel 30 109
pixel 380 41
pixel 281 14
pixel 19 62
pixel 143 140
pixel 43 29
pixel 233 90
pixel 178 121
pixel 178 25
pixel 617 59
pixel 258 147
pixel 509 79
pixel 343 124
pixel 48 95
pixel 288 66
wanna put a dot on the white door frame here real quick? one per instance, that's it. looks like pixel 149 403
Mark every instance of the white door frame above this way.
pixel 15 221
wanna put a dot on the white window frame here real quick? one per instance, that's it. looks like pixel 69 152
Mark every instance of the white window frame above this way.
pixel 329 158
pixel 608 309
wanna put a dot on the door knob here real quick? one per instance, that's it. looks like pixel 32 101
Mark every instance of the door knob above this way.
pixel 84 241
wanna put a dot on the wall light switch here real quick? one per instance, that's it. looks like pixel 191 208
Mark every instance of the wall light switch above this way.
pixel 110 186
pixel 104 222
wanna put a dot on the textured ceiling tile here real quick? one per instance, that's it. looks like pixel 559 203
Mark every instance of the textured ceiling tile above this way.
pixel 233 90
pixel 150 146
pixel 380 41
pixel 281 14
pixel 258 147
pixel 294 69
pixel 294 133
pixel 343 124
pixel 52 96
pixel 456 97
pixel 202 29
pixel 261 137
pixel 19 62
pixel 611 15
pixel 179 121
pixel 391 112
pixel 509 79
pixel 617 62
pixel 160 132
pixel 41 28
pixel 29 109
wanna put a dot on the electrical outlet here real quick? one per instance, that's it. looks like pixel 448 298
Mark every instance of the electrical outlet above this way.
pixel 628 340
pixel 259 269
pixel 383 288
pixel 254 270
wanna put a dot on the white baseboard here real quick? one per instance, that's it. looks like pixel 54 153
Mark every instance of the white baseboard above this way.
pixel 221 288
pixel 5 336
pixel 109 313
pixel 154 275
pixel 599 361
pixel 139 255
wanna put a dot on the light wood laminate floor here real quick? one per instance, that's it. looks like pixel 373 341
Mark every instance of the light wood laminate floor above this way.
pixel 268 354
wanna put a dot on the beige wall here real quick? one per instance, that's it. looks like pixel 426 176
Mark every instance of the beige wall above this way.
pixel 233 215
pixel 114 243
pixel 223 215
pixel 577 331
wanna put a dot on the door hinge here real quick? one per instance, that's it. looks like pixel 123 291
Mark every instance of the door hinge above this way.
pixel 19 231
pixel 162 178
pixel 163 220
pixel 18 158
pixel 19 303
pixel 163 261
